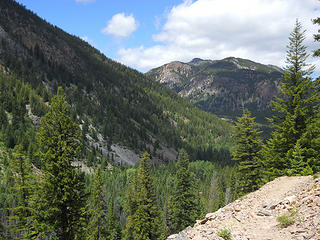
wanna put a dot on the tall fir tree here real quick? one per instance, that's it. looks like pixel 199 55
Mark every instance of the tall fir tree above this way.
pixel 97 207
pixel 294 109
pixel 247 154
pixel 145 220
pixel 114 226
pixel 310 140
pixel 310 144
pixel 60 200
pixel 185 204
pixel 21 168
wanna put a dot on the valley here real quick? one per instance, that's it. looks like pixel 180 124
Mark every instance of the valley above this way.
pixel 91 148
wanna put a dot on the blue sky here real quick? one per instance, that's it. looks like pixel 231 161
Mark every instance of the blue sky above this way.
pixel 148 33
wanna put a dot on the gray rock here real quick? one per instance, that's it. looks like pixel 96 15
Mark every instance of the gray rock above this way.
pixel 264 213
pixel 179 236
pixel 211 216
pixel 272 206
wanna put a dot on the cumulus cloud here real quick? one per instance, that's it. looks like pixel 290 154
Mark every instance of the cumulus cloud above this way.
pixel 215 29
pixel 121 25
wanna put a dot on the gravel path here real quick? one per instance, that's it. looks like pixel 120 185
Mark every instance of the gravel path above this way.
pixel 254 217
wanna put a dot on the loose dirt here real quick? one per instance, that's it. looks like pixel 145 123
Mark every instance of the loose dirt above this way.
pixel 254 216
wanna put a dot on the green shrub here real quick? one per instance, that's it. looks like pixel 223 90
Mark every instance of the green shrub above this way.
pixel 285 221
pixel 225 234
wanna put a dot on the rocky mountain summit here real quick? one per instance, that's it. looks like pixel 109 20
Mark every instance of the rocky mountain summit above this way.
pixel 223 87
pixel 296 200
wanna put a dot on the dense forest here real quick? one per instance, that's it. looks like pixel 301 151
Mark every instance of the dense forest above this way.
pixel 29 158
pixel 54 184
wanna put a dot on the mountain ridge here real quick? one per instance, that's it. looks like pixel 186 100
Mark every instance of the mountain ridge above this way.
pixel 223 87
pixel 124 107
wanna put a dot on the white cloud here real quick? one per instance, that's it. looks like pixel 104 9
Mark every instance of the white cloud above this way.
pixel 85 1
pixel 121 25
pixel 215 29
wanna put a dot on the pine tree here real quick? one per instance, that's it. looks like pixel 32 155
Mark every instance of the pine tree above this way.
pixel 144 221
pixel 297 161
pixel 59 201
pixel 316 36
pixel 21 169
pixel 97 226
pixel 114 227
pixel 310 142
pixel 294 108
pixel 185 206
pixel 247 153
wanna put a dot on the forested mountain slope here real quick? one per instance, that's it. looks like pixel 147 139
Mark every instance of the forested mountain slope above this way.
pixel 224 87
pixel 121 104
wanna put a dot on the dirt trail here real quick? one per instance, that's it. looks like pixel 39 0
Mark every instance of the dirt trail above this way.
pixel 254 216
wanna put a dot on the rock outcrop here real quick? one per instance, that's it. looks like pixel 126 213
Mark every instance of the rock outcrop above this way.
pixel 223 87
pixel 255 216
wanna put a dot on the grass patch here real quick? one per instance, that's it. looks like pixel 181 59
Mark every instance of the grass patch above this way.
pixel 286 221
pixel 225 234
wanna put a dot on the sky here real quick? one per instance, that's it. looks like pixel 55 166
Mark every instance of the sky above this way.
pixel 145 34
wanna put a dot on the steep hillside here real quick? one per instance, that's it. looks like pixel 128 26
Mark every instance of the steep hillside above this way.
pixel 255 216
pixel 223 87
pixel 121 112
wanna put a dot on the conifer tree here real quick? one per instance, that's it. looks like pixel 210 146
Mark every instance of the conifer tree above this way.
pixel 144 221
pixel 297 161
pixel 247 153
pixel 310 142
pixel 97 226
pixel 114 227
pixel 59 201
pixel 317 36
pixel 185 206
pixel 21 169
pixel 294 108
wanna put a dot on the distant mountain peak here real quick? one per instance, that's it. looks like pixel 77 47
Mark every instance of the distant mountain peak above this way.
pixel 120 109
pixel 195 60
pixel 223 87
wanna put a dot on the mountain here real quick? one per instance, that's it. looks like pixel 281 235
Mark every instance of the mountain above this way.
pixel 223 87
pixel 121 112
pixel 291 211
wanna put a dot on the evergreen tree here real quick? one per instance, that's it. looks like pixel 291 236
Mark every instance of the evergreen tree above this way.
pixel 294 108
pixel 21 169
pixel 297 161
pixel 317 37
pixel 144 221
pixel 310 142
pixel 3 118
pixel 97 226
pixel 59 200
pixel 114 227
pixel 185 206
pixel 247 153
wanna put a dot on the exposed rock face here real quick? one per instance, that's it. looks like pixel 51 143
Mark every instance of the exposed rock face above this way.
pixel 35 119
pixel 255 216
pixel 222 87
